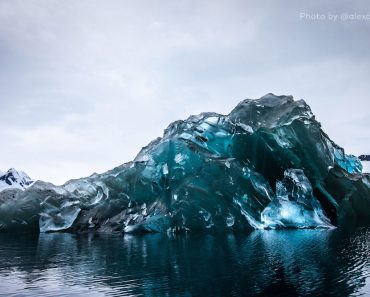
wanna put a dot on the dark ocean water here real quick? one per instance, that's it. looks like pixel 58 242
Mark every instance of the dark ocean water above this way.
pixel 263 263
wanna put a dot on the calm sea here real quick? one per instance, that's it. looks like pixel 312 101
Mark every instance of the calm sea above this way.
pixel 262 263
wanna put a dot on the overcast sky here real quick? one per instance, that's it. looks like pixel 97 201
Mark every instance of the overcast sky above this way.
pixel 85 84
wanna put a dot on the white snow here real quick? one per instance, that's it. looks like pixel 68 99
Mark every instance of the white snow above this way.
pixel 14 179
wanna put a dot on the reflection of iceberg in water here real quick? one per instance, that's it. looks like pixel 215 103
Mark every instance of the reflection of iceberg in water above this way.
pixel 306 262
pixel 299 259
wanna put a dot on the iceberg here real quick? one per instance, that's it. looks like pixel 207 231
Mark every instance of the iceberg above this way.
pixel 265 165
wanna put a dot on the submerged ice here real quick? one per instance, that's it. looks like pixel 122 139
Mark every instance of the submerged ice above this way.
pixel 266 165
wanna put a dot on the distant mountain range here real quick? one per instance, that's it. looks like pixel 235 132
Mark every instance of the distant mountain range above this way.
pixel 14 179
pixel 364 157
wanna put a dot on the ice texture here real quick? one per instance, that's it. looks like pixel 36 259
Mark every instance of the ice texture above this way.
pixel 294 205
pixel 266 165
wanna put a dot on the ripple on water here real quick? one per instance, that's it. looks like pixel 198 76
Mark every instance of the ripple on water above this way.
pixel 262 263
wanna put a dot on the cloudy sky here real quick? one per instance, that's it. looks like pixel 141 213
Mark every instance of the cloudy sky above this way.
pixel 85 84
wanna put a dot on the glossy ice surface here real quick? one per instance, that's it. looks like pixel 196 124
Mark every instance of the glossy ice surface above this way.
pixel 266 165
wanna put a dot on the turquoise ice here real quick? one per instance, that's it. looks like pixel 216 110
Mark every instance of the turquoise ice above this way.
pixel 265 165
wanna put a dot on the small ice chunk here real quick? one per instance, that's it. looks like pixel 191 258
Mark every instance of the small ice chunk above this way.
pixel 245 127
pixel 165 169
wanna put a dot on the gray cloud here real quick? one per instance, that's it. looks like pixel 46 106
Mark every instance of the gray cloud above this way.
pixel 85 84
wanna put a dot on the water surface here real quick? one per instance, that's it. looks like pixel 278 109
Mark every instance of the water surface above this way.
pixel 263 263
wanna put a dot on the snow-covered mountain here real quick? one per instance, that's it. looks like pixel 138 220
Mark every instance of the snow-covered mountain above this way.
pixel 14 179
pixel 364 157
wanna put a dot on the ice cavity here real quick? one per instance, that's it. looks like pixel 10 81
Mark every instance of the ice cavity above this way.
pixel 294 205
